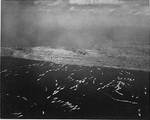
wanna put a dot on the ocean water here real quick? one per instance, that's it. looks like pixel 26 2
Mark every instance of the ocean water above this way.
pixel 38 89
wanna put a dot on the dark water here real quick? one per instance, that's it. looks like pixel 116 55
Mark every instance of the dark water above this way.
pixel 36 89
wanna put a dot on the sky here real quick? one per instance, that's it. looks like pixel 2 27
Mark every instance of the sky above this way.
pixel 28 26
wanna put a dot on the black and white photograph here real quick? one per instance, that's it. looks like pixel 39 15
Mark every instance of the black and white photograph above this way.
pixel 75 59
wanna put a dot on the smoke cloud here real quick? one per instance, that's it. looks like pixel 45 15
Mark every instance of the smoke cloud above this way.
pixel 28 26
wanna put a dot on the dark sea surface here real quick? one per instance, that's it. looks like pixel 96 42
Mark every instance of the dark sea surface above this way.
pixel 37 89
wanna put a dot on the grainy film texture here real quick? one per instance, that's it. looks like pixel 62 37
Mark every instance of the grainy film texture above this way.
pixel 80 59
